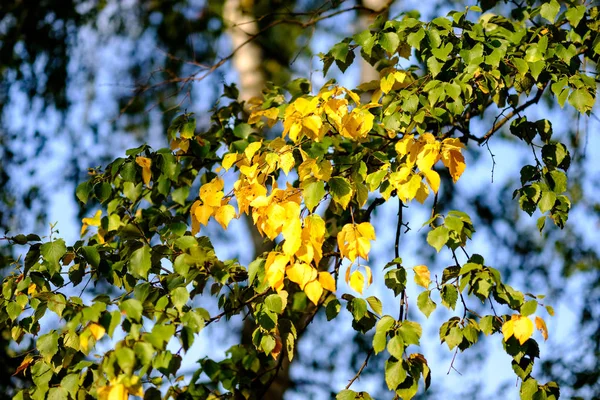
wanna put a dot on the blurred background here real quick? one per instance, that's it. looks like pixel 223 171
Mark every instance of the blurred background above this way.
pixel 82 81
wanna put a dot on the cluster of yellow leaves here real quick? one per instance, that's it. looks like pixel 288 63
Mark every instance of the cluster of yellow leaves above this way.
pixel 356 279
pixel 94 221
pixel 304 117
pixel 211 204
pixel 302 251
pixel 310 280
pixel 354 240
pixel 521 328
pixel 423 153
pixel 119 389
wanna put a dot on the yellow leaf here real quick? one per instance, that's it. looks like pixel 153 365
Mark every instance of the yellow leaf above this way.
pixel 369 275
pixel 94 221
pixel 275 269
pixel 357 281
pixel 228 160
pixel 422 193
pixel 540 324
pixel 387 82
pixel 195 222
pixel 301 273
pixel 327 281
pixel 518 326
pixel 211 193
pixel 145 163
pixel 313 291
pixel 97 330
pixel 252 149
pixel 286 161
pixel 203 213
pixel 408 191
pixel 117 392
pixel 224 215
pixel 428 155
pixel 422 276
pixel 433 178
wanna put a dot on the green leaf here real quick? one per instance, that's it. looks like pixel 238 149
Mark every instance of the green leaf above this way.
pixel 550 10
pixel 411 332
pixel 394 374
pixel 126 359
pixel 449 295
pixel 341 190
pixel 57 393
pixel 274 303
pixel 581 99
pixel 414 39
pixel 547 201
pixel 91 255
pixel 256 268
pixel 380 337
pixel 389 41
pixel 346 394
pixel 486 324
pixel 179 297
pixel 454 337
pixel 529 307
pixel 438 237
pixel 53 251
pixel 528 389
pixel 340 51
pixel 83 191
pixel 396 347
pixel 574 15
pixel 47 345
pixel 140 262
pixel 242 131
pixel 333 309
pixel 425 304
pixel 132 309
pixel 375 304
pixel 314 192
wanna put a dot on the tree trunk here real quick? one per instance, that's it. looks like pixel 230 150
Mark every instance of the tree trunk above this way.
pixel 365 18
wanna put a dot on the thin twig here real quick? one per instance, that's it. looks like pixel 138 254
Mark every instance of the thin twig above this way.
pixel 362 367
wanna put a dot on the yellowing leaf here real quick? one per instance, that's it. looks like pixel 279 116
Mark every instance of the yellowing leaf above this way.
pixel 145 163
pixel 422 276
pixel 97 330
pixel 327 281
pixel 357 281
pixel 224 215
pixel 313 291
pixel 453 158
pixel 540 324
pixel 518 326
